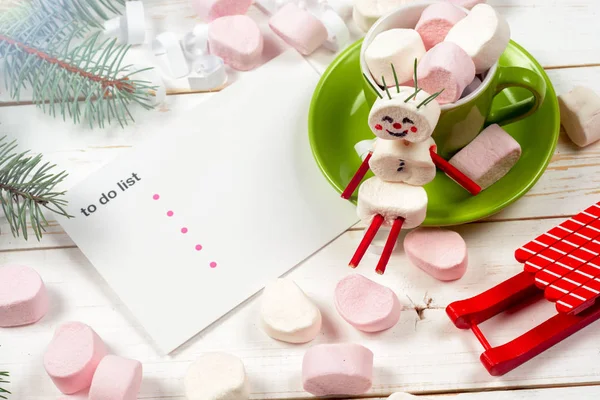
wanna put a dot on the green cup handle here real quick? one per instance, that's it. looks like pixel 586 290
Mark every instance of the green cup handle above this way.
pixel 518 77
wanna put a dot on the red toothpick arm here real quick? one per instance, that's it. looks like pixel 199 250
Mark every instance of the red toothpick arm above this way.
pixel 389 245
pixel 455 173
pixel 366 241
pixel 358 176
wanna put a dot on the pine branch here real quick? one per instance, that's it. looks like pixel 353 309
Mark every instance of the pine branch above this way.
pixel 26 187
pixel 48 16
pixel 86 81
pixel 61 78
pixel 3 391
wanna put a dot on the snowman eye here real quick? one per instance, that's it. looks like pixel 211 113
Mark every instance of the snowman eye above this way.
pixel 388 119
pixel 407 121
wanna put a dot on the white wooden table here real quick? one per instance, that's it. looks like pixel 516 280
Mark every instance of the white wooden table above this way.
pixel 424 353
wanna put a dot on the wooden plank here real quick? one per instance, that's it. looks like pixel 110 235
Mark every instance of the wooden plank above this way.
pixel 424 353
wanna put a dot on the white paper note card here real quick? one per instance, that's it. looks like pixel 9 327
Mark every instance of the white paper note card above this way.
pixel 190 224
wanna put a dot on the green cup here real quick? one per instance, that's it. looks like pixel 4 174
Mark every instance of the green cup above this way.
pixel 462 121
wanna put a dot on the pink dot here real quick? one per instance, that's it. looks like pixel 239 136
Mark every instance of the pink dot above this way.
pixel 156 197
pixel 184 230
pixel 213 264
pixel 169 213
pixel 198 247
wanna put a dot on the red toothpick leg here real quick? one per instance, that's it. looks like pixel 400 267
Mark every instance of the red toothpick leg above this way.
pixel 366 241
pixel 389 246
pixel 455 173
pixel 358 176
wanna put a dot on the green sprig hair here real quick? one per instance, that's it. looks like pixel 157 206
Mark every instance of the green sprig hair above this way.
pixel 3 379
pixel 414 95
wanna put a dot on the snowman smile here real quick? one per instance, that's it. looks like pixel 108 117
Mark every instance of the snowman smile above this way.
pixel 397 134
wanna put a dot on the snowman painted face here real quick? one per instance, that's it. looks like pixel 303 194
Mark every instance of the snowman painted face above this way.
pixel 396 118
pixel 397 129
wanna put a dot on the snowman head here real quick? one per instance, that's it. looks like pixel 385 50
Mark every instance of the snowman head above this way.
pixel 405 115
pixel 404 112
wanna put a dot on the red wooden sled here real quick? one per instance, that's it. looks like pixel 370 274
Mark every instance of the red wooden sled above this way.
pixel 564 264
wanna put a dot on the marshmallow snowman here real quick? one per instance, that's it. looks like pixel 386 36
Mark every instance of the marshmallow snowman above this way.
pixel 403 160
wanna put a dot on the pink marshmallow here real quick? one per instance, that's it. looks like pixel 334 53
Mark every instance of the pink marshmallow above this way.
pixel 209 10
pixel 116 378
pixel 468 4
pixel 237 40
pixel 337 369
pixel 439 252
pixel 436 21
pixel 488 157
pixel 367 305
pixel 446 67
pixel 73 356
pixel 298 28
pixel 23 296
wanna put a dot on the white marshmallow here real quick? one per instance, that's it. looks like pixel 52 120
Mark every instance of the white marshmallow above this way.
pixel 338 34
pixel 392 200
pixel 580 115
pixel 366 12
pixel 483 34
pixel 287 314
pixel 400 161
pixel 216 376
pixel 467 3
pixel 364 147
pixel 399 47
pixel 396 119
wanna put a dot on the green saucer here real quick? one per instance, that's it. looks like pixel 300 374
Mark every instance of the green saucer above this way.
pixel 338 120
